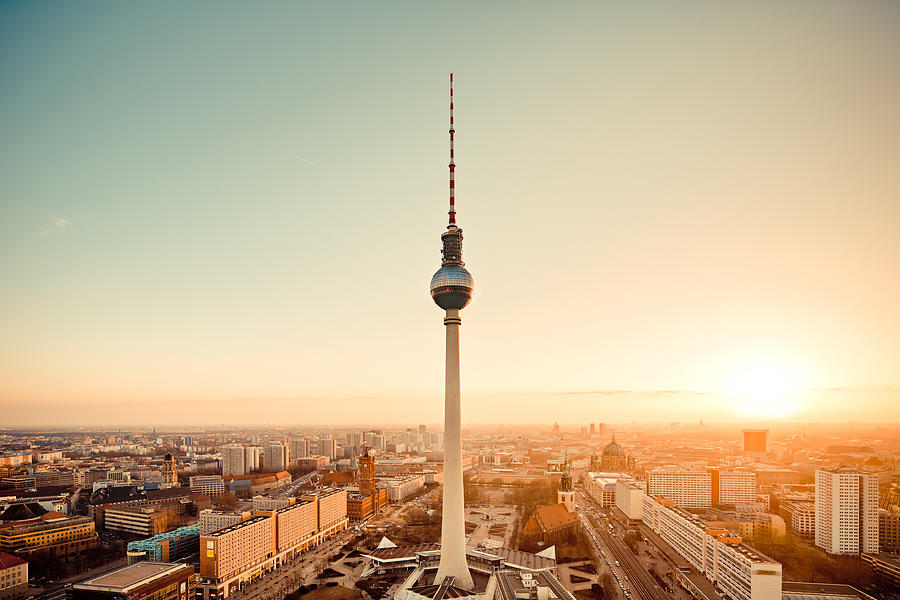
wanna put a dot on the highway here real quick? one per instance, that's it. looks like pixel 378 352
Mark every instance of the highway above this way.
pixel 633 572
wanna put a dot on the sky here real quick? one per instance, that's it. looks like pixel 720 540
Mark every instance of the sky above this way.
pixel 224 213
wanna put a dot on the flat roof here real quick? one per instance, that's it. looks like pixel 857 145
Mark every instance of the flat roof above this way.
pixel 834 591
pixel 230 528
pixel 125 579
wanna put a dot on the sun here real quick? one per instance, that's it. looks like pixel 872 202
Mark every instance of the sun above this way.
pixel 766 389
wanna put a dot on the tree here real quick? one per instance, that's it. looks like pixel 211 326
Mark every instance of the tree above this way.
pixel 606 580
pixel 227 501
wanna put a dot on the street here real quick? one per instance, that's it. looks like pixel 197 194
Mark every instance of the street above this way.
pixel 627 569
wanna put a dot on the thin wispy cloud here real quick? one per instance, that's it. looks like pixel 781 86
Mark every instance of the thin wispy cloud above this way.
pixel 307 161
pixel 59 224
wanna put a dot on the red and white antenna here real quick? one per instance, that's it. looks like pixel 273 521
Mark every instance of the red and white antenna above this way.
pixel 452 165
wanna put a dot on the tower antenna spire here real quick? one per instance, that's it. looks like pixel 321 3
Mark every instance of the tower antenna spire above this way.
pixel 452 162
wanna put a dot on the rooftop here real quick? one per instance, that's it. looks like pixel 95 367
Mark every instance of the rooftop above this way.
pixel 124 580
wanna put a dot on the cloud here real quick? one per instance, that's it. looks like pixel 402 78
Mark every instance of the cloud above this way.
pixel 59 224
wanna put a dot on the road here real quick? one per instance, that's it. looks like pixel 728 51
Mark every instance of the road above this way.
pixel 631 574
pixel 295 485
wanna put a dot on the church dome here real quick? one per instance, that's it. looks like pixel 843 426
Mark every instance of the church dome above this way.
pixel 613 449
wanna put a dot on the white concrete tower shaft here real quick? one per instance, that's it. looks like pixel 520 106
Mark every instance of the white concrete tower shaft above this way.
pixel 453 524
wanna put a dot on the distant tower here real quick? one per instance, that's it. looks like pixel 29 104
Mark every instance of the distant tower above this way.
pixel 169 473
pixel 451 289
pixel 566 493
pixel 366 473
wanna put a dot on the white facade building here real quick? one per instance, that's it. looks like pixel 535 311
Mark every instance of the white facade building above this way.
pixel 403 487
pixel 802 516
pixel 737 487
pixel 846 511
pixel 630 497
pixel 211 485
pixel 738 571
pixel 688 489
pixel 252 454
pixel 601 487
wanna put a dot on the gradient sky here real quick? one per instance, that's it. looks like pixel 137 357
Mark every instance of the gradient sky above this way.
pixel 216 212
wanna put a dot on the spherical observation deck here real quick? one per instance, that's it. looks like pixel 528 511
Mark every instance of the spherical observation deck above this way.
pixel 452 287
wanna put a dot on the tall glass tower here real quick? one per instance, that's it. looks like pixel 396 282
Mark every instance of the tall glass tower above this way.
pixel 451 289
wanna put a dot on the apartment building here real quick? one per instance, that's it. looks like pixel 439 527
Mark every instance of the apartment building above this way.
pixel 266 503
pixel 226 553
pixel 332 508
pixel 846 511
pixel 233 460
pixel 688 489
pixel 213 520
pixel 297 525
pixel 235 556
pixel 299 448
pixel 252 457
pixel 276 457
pixel 800 516
pixel 738 571
pixel 732 486
pixel 888 530
pixel 630 497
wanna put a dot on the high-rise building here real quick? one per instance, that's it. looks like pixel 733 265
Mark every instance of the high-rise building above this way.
pixel 630 496
pixel 276 456
pixel 687 489
pixel 732 486
pixel 451 289
pixel 328 447
pixel 252 455
pixel 755 440
pixel 299 448
pixel 846 511
pixel 233 460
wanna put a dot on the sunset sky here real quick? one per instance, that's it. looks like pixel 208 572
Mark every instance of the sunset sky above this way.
pixel 230 212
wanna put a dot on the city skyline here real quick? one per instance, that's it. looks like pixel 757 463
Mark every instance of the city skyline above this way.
pixel 708 224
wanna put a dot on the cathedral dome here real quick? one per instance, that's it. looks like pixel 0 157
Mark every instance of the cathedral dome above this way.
pixel 613 449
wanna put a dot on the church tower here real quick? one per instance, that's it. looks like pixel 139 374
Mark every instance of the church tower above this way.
pixel 566 493
pixel 366 473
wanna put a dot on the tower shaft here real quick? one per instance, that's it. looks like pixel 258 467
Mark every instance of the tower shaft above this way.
pixel 453 528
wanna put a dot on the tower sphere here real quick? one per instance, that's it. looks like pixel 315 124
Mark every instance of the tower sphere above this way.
pixel 452 287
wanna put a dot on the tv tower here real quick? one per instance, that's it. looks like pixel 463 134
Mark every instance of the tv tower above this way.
pixel 451 289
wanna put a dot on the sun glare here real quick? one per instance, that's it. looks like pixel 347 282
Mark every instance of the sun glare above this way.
pixel 766 390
